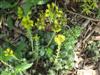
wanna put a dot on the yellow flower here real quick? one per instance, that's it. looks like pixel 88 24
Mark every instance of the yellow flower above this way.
pixel 56 28
pixel 8 52
pixel 47 13
pixel 48 5
pixel 61 12
pixel 27 23
pixel 56 8
pixel 59 15
pixel 53 5
pixel 56 21
pixel 59 39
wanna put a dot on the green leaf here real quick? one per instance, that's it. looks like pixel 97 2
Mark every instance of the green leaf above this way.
pixel 98 14
pixel 1 53
pixel 6 73
pixel 10 22
pixel 21 46
pixel 42 52
pixel 19 49
pixel 22 67
pixel 26 7
pixel 42 2
pixel 5 5
pixel 29 3
pixel 49 52
pixel 39 2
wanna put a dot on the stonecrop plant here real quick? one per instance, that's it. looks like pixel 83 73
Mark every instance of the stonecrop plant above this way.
pixel 59 39
pixel 50 43
pixel 46 46
pixel 52 19
pixel 27 23
pixel 7 58
pixel 89 5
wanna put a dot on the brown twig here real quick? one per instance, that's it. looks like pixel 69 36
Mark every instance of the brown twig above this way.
pixel 92 19
pixel 96 37
pixel 88 36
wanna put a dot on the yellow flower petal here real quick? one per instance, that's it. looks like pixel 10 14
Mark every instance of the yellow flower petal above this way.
pixel 48 5
pixel 55 21
pixel 8 52
pixel 11 52
pixel 53 5
pixel 59 39
pixel 27 23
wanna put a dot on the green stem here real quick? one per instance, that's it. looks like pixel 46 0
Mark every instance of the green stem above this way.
pixel 30 38
pixel 51 39
pixel 57 55
pixel 16 58
pixel 6 64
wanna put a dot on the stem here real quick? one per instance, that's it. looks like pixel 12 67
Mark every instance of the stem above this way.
pixel 57 55
pixel 16 57
pixel 6 64
pixel 30 38
pixel 51 39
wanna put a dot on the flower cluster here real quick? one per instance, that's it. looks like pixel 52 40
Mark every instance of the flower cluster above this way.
pixel 53 18
pixel 59 39
pixel 8 52
pixel 40 24
pixel 26 22
pixel 53 12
